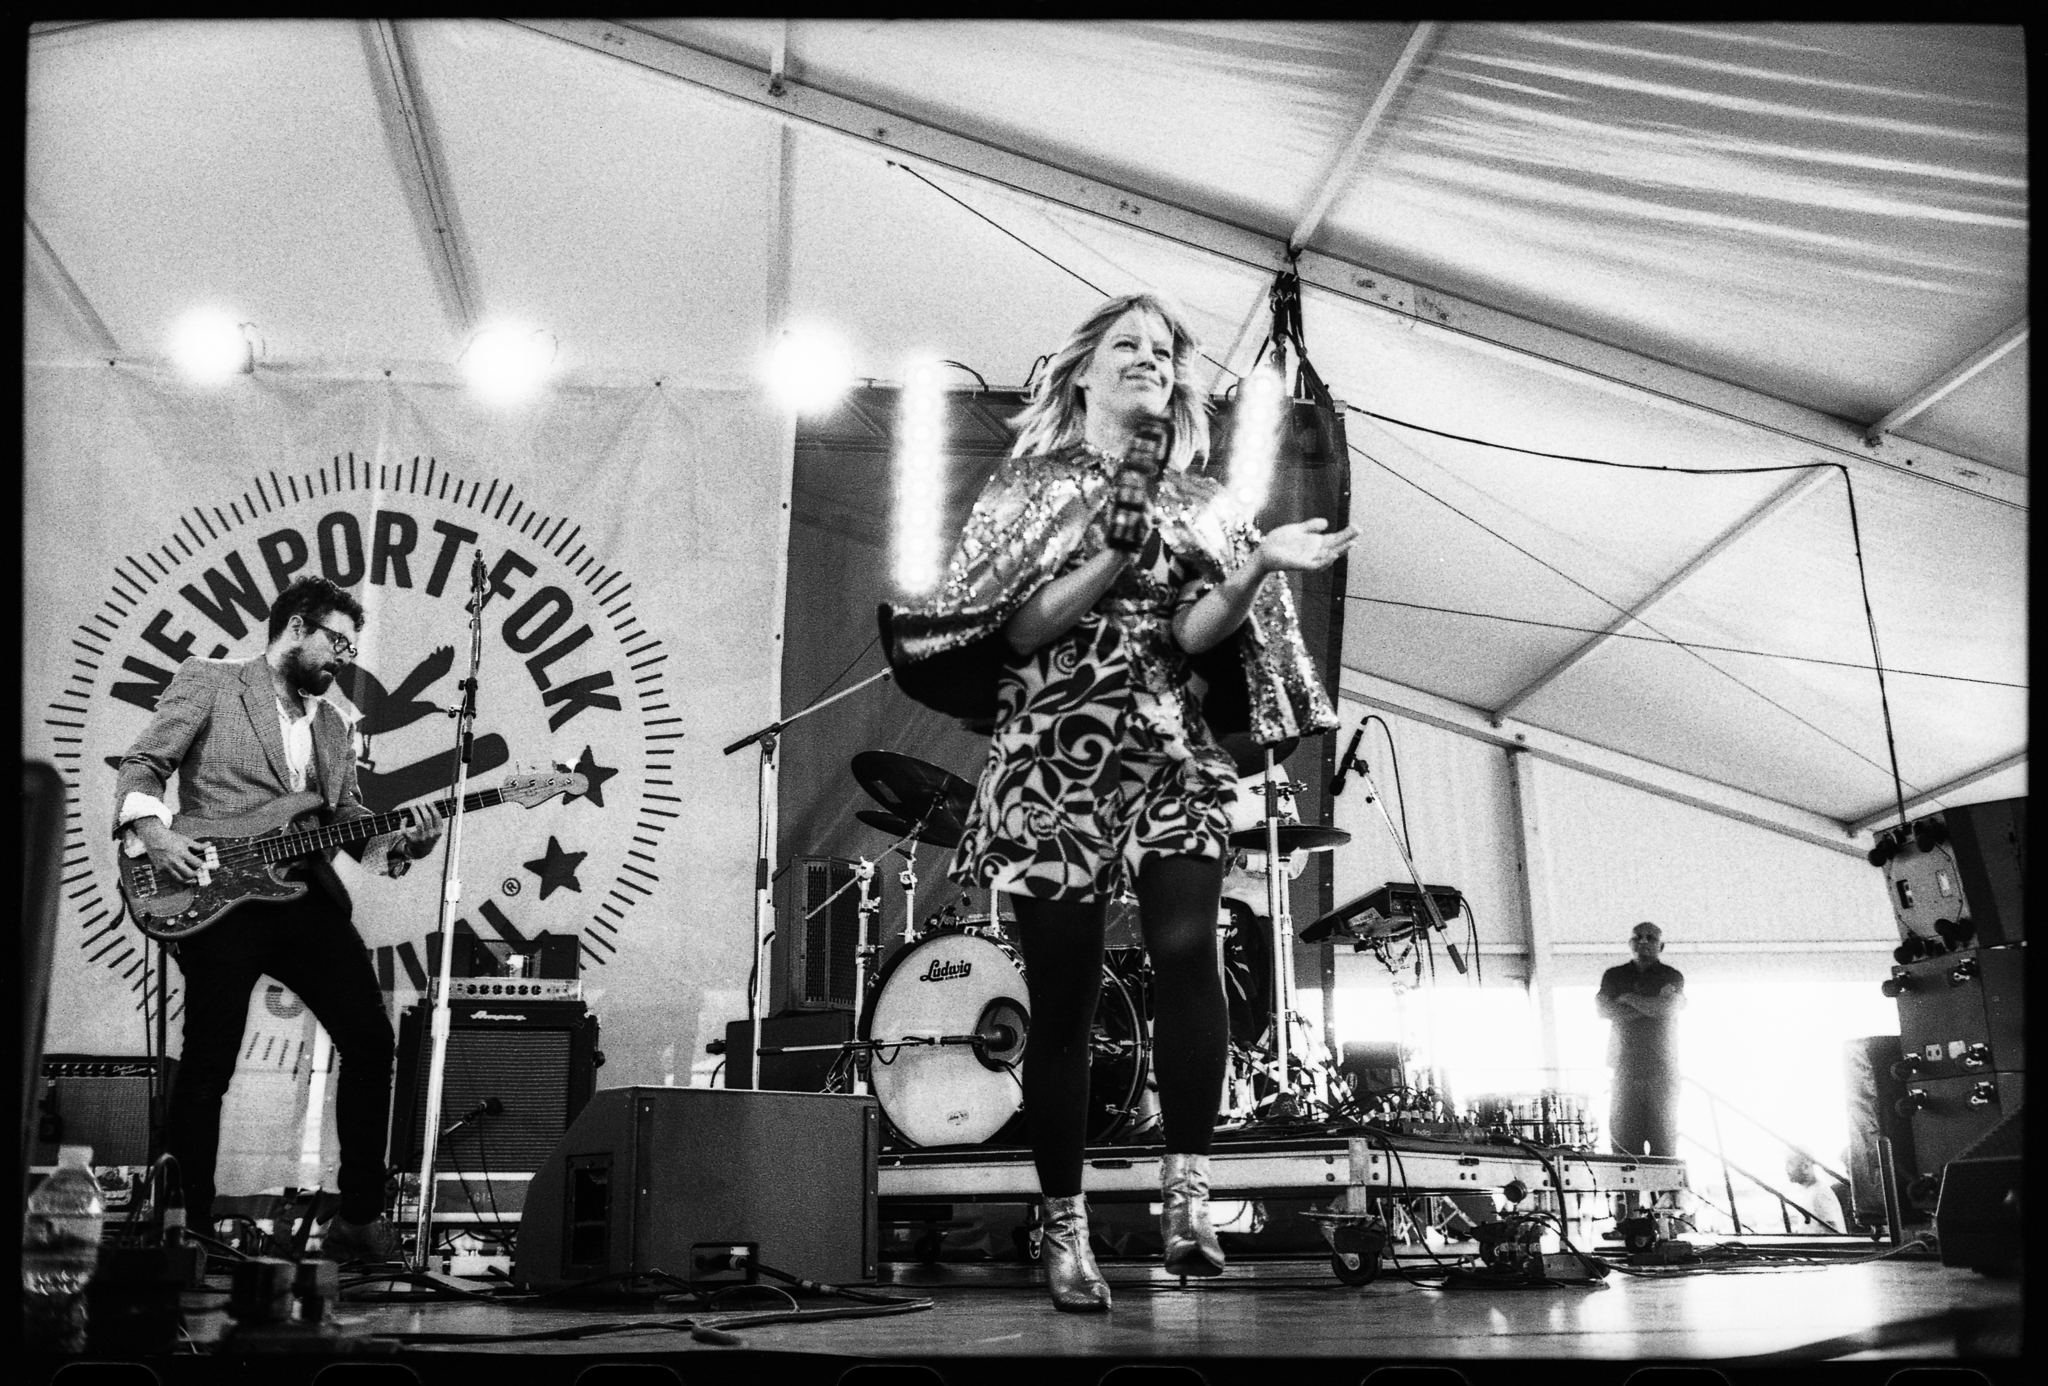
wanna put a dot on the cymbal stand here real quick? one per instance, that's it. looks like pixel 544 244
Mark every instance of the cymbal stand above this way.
pixel 764 861
pixel 1283 933
pixel 451 892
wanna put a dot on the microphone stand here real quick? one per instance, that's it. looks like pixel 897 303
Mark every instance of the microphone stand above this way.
pixel 1436 918
pixel 451 892
pixel 764 857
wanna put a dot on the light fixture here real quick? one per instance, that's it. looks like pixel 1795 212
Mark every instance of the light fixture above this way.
pixel 808 368
pixel 1255 437
pixel 920 473
pixel 209 346
pixel 506 363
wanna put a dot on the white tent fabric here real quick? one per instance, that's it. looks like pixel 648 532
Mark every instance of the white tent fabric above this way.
pixel 1828 216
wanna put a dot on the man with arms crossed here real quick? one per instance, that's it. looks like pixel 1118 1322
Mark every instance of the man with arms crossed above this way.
pixel 239 734
pixel 1643 997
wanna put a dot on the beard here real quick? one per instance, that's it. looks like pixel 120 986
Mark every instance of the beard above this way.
pixel 309 679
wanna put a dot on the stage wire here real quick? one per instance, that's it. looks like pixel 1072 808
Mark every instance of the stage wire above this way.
pixel 1732 678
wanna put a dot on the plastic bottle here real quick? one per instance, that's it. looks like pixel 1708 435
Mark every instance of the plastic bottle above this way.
pixel 60 1248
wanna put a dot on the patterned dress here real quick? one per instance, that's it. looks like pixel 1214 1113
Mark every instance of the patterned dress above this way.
pixel 1100 757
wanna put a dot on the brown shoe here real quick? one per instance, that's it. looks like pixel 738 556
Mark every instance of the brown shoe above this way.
pixel 346 1242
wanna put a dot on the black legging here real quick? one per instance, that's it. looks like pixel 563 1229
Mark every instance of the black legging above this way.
pixel 1062 945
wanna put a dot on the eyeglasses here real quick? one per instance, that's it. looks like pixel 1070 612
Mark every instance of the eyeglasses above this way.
pixel 344 648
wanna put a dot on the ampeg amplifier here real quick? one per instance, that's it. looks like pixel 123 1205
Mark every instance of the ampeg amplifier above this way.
pixel 514 988
pixel 537 1058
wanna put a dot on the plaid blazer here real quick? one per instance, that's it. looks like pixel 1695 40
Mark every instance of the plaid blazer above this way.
pixel 216 728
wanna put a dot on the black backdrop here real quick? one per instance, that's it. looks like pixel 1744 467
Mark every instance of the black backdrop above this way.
pixel 839 569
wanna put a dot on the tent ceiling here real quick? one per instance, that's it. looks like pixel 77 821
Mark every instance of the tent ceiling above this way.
pixel 1833 217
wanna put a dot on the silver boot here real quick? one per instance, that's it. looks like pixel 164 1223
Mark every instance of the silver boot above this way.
pixel 1191 1245
pixel 1070 1270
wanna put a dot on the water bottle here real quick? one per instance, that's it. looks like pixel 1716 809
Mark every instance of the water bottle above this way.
pixel 1131 493
pixel 60 1246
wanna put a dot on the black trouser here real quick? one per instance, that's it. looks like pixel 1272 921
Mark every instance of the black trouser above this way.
pixel 1644 1112
pixel 310 947
pixel 1062 945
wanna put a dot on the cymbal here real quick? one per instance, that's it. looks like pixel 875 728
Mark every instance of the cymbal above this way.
pixel 940 833
pixel 1294 837
pixel 912 788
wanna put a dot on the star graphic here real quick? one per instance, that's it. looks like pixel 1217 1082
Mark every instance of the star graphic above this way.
pixel 557 870
pixel 595 775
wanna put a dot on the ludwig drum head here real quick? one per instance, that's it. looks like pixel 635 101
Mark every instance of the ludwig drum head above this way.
pixel 949 984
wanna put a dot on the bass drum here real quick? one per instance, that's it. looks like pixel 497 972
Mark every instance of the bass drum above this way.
pixel 957 983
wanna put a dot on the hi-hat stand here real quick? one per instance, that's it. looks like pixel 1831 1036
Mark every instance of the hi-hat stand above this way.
pixel 451 892
pixel 764 860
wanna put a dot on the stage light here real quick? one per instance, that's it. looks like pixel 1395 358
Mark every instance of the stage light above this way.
pixel 1255 440
pixel 920 477
pixel 506 363
pixel 809 368
pixel 209 346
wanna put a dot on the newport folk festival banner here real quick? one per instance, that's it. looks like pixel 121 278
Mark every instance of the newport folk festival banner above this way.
pixel 631 537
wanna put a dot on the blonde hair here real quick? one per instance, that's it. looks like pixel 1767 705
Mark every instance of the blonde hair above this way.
pixel 1056 413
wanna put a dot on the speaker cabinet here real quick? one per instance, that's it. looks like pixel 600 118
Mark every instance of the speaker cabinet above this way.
pixel 1874 1093
pixel 1951 1114
pixel 1959 874
pixel 100 1102
pixel 812 956
pixel 647 1176
pixel 1977 1220
pixel 1962 1013
pixel 539 1059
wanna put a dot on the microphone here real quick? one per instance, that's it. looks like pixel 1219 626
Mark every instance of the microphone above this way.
pixel 1350 759
pixel 490 1106
pixel 477 582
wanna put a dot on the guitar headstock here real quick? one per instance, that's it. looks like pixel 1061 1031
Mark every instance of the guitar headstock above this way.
pixel 531 787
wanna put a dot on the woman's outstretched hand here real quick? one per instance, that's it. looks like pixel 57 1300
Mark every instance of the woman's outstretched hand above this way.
pixel 1304 547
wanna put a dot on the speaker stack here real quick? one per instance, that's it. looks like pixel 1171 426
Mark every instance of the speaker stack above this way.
pixel 1956 881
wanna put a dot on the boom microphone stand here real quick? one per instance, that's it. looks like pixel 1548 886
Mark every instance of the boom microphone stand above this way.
pixel 451 892
pixel 764 859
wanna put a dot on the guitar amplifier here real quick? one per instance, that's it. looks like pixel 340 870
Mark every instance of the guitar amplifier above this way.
pixel 101 1102
pixel 538 1058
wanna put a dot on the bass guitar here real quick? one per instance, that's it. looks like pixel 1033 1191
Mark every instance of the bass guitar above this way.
pixel 252 852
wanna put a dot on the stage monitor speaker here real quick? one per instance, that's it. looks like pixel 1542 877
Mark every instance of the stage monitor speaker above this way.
pixel 539 1059
pixel 1977 1220
pixel 646 1177
pixel 812 956
pixel 101 1102
pixel 805 1072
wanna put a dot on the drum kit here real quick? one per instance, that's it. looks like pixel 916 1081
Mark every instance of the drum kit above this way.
pixel 944 1017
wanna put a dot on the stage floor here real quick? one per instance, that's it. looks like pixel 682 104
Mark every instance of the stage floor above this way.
pixel 984 1319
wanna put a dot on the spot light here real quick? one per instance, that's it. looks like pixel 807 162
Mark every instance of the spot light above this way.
pixel 920 472
pixel 506 363
pixel 209 346
pixel 808 368
pixel 1255 440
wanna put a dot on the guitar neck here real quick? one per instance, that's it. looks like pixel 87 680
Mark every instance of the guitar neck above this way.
pixel 376 825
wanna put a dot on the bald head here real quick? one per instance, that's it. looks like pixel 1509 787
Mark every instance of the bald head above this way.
pixel 1645 942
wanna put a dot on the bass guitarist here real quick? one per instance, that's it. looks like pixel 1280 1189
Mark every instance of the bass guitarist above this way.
pixel 239 734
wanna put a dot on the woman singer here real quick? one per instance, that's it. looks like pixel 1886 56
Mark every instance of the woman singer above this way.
pixel 1088 591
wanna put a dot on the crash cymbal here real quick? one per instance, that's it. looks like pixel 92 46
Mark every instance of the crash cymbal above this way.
pixel 940 833
pixel 1294 837
pixel 909 787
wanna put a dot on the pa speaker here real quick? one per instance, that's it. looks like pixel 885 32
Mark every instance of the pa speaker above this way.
pixel 1977 1220
pixel 669 1179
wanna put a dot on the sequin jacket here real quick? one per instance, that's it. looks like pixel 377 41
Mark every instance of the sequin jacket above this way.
pixel 947 650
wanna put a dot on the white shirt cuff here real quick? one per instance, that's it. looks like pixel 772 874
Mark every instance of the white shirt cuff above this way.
pixel 136 806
